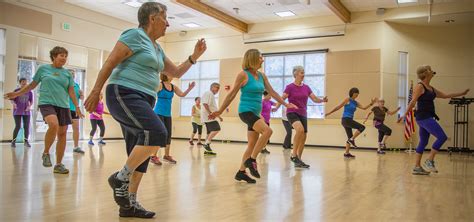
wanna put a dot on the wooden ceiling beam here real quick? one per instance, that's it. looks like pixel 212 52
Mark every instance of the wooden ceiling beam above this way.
pixel 339 9
pixel 214 13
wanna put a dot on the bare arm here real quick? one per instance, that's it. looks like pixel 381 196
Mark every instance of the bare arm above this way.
pixel 443 95
pixel 239 81
pixel 22 91
pixel 367 117
pixel 393 112
pixel 272 92
pixel 338 107
pixel 180 93
pixel 317 99
pixel 416 94
pixel 360 106
pixel 120 53
pixel 177 71
pixel 81 94
pixel 284 96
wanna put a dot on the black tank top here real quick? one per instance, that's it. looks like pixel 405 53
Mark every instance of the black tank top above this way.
pixel 425 105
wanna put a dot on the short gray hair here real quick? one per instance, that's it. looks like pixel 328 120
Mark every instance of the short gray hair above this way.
pixel 215 84
pixel 147 9
pixel 296 69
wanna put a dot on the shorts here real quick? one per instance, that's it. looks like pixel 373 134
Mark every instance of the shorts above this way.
pixel 63 114
pixel 212 126
pixel 250 119
pixel 294 117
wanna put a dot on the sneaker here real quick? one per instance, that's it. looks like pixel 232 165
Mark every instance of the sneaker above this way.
pixel 252 165
pixel 46 160
pixel 430 165
pixel 101 142
pixel 61 169
pixel 13 144
pixel 156 160
pixel 352 143
pixel 380 152
pixel 191 143
pixel 304 164
pixel 209 153
pixel 420 171
pixel 91 143
pixel 298 163
pixel 169 159
pixel 120 189
pixel 78 150
pixel 199 144
pixel 293 159
pixel 27 144
pixel 207 147
pixel 242 175
pixel 135 211
pixel 265 151
pixel 349 155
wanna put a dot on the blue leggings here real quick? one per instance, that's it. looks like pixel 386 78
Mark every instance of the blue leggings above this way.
pixel 427 127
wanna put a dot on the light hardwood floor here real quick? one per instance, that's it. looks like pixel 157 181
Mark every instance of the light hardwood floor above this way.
pixel 200 188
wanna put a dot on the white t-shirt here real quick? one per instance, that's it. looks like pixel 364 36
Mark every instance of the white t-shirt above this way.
pixel 209 99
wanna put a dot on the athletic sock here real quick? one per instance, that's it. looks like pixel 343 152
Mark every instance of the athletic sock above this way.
pixel 124 173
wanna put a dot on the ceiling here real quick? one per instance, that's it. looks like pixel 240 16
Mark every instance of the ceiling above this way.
pixel 439 20
pixel 249 11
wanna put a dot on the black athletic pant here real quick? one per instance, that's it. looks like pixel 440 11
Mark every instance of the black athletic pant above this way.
pixel 383 130
pixel 26 125
pixel 288 128
pixel 94 123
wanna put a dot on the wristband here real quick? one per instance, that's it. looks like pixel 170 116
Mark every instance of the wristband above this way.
pixel 191 60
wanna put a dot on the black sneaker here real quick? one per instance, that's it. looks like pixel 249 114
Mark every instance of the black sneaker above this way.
pixel 207 147
pixel 242 175
pixel 265 151
pixel 299 163
pixel 348 155
pixel 120 189
pixel 293 159
pixel 27 144
pixel 304 164
pixel 13 144
pixel 352 143
pixel 252 165
pixel 209 153
pixel 134 211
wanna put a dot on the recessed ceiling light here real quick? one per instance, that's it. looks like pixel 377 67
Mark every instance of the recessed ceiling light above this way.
pixel 133 3
pixel 269 3
pixel 406 1
pixel 285 13
pixel 191 25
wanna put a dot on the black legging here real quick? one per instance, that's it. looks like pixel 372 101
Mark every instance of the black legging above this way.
pixel 197 128
pixel 26 125
pixel 94 123
pixel 383 130
pixel 288 128
pixel 350 124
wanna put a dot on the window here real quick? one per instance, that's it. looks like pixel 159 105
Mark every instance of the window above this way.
pixel 2 63
pixel 402 82
pixel 204 73
pixel 279 70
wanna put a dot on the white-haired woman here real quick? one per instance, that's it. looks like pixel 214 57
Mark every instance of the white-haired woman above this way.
pixel 133 67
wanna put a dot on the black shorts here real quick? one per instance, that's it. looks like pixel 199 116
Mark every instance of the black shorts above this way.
pixel 212 126
pixel 295 117
pixel 168 125
pixel 74 115
pixel 197 128
pixel 250 119
pixel 63 114
pixel 140 125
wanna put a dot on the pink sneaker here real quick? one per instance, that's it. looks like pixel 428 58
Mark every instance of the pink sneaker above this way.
pixel 169 159
pixel 156 160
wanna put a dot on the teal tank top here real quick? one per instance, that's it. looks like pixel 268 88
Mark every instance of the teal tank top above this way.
pixel 164 100
pixel 349 109
pixel 251 94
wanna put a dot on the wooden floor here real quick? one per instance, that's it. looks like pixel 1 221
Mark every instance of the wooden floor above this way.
pixel 201 188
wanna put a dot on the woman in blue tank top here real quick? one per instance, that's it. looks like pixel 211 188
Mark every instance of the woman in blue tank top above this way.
pixel 350 106
pixel 423 96
pixel 251 84
pixel 164 100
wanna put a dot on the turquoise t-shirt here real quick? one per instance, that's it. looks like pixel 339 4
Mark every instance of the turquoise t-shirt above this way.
pixel 139 71
pixel 76 90
pixel 349 109
pixel 54 88
pixel 251 94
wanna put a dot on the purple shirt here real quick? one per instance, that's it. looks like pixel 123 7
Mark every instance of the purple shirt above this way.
pixel 99 110
pixel 21 103
pixel 266 109
pixel 298 95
